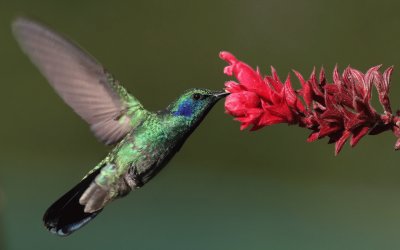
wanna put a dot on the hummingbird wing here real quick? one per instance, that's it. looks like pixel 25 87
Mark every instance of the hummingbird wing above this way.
pixel 81 81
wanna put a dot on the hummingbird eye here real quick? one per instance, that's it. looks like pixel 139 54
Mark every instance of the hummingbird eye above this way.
pixel 197 96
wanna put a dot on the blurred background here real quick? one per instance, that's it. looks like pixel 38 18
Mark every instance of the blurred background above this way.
pixel 225 189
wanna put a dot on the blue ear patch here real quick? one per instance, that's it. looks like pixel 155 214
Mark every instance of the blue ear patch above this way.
pixel 185 108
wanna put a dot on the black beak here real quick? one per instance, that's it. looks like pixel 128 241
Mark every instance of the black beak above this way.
pixel 220 94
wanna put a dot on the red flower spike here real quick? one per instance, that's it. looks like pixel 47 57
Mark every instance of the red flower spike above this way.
pixel 340 110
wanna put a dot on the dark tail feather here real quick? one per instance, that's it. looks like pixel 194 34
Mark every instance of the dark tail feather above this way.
pixel 66 215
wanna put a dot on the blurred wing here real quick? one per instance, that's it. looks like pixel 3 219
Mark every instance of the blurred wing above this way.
pixel 80 81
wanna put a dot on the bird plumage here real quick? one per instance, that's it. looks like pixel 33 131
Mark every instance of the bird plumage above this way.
pixel 145 141
pixel 84 84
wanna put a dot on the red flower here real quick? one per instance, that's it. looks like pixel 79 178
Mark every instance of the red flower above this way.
pixel 340 110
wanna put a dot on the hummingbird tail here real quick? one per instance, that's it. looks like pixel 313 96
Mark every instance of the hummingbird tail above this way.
pixel 67 215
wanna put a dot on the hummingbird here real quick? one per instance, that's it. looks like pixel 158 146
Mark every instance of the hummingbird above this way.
pixel 144 141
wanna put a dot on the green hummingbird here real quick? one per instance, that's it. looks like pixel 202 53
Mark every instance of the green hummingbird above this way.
pixel 144 141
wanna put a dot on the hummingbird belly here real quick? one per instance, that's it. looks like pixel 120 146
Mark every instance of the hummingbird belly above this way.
pixel 139 157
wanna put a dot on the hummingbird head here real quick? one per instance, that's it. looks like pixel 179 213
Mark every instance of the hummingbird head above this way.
pixel 194 104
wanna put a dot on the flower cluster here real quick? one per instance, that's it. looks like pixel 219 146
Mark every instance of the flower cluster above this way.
pixel 340 110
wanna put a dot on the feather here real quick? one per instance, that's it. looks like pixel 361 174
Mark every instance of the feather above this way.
pixel 79 79
pixel 67 215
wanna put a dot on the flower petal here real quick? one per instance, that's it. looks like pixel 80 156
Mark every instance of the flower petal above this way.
pixel 340 143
